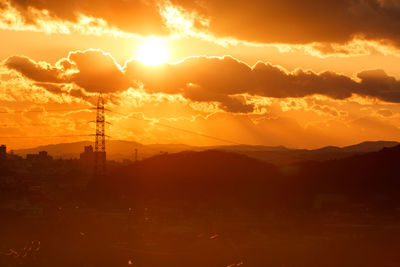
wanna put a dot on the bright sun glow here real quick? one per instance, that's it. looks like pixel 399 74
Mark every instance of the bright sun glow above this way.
pixel 152 52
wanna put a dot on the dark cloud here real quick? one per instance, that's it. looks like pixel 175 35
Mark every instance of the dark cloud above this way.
pixel 92 70
pixel 220 79
pixel 32 70
pixel 208 79
pixel 236 104
pixel 272 81
pixel 199 79
pixel 98 72
pixel 378 84
pixel 266 21
pixel 299 22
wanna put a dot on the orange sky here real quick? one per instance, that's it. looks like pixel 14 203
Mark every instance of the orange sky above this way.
pixel 294 73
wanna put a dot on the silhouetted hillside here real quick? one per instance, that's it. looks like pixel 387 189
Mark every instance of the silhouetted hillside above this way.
pixel 119 150
pixel 196 178
pixel 364 178
pixel 225 177
pixel 283 156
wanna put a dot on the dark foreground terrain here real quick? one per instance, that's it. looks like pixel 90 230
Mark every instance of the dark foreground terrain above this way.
pixel 207 208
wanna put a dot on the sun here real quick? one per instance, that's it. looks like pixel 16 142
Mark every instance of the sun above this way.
pixel 152 52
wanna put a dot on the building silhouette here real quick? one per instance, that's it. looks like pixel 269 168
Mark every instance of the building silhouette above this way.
pixel 3 151
pixel 87 156
pixel 41 156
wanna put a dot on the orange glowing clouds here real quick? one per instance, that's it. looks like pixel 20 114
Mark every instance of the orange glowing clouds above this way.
pixel 176 19
pixel 266 69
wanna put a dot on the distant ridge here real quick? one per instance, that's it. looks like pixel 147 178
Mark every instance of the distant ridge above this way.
pixel 116 149
pixel 370 146
pixel 119 150
pixel 281 155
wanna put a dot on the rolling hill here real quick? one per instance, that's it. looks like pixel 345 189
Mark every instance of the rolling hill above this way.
pixel 279 155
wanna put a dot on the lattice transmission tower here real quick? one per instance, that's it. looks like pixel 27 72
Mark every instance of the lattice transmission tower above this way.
pixel 100 140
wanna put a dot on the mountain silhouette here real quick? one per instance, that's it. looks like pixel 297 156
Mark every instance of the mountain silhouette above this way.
pixel 224 178
pixel 119 150
pixel 116 149
pixel 282 156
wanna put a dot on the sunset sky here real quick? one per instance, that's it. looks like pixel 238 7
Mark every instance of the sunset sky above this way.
pixel 302 74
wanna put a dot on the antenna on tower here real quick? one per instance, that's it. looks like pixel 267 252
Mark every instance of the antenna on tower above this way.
pixel 100 140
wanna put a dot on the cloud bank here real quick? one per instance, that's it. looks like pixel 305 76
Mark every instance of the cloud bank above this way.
pixel 224 80
pixel 263 21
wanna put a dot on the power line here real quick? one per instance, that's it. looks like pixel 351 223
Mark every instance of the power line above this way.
pixel 43 111
pixel 182 130
pixel 44 136
pixel 23 124
pixel 93 108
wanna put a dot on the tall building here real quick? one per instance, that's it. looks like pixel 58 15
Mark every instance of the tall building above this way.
pixel 3 151
pixel 87 156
